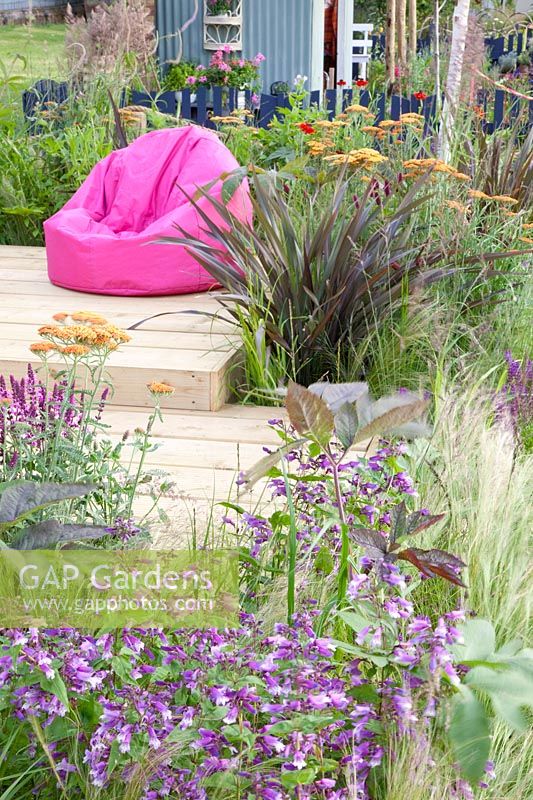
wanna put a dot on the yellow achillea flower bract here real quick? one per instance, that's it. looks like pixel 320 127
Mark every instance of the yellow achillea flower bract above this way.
pixel 457 206
pixel 373 130
pixel 356 108
pixel 75 350
pixel 42 347
pixel 228 120
pixel 88 317
pixel 504 198
pixel 160 388
pixel 476 194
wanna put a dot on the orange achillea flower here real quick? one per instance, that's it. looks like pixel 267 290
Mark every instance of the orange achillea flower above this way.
pixel 75 350
pixel 507 213
pixel 227 120
pixel 117 334
pixel 457 206
pixel 89 317
pixel 527 226
pixel 460 176
pixel 477 195
pixel 364 158
pixel 42 347
pixel 49 330
pixel 317 148
pixel 373 130
pixel 411 118
pixel 356 108
pixel 60 317
pixel 160 388
pixel 525 239
pixel 388 123
pixel 504 198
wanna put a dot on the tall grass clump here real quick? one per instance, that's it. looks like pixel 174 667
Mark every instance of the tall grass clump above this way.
pixel 475 471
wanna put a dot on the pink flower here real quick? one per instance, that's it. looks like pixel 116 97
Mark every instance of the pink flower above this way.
pixel 191 80
pixel 255 100
pixel 257 59
pixel 202 79
pixel 242 62
pixel 226 48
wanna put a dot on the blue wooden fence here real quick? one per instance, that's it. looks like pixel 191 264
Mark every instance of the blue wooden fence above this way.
pixel 498 110
pixel 495 46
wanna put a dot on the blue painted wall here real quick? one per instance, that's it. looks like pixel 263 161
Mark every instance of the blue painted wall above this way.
pixel 285 31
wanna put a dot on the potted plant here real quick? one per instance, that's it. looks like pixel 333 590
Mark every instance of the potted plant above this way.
pixel 177 75
pixel 524 62
pixel 219 8
pixel 507 63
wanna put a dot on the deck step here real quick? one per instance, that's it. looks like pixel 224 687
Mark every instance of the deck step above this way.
pixel 183 342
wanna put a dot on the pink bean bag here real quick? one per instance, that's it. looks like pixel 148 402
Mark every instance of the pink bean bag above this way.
pixel 100 240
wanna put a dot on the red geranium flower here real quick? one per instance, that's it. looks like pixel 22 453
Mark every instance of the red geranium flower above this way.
pixel 306 128
pixel 361 83
pixel 341 83
pixel 420 95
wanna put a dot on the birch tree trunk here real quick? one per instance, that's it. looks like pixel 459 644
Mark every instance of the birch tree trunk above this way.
pixel 412 29
pixel 436 55
pixel 453 81
pixel 390 42
pixel 401 18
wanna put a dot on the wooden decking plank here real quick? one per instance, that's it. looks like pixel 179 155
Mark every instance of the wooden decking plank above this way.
pixel 197 453
pixel 175 323
pixel 214 342
pixel 151 359
pixel 194 425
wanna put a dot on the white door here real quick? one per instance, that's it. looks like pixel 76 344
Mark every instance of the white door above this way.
pixel 344 41
pixel 354 43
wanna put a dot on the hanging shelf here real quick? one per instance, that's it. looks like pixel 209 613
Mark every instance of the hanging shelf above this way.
pixel 223 29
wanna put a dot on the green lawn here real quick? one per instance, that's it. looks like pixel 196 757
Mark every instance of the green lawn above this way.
pixel 33 52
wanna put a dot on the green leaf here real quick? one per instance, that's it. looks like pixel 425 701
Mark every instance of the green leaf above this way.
pixel 265 464
pixel 122 667
pixel 309 414
pixel 346 424
pixel 336 395
pixel 49 533
pixel 345 647
pixel 514 683
pixel 469 734
pixel 324 561
pixel 22 499
pixel 508 709
pixel 389 414
pixel 114 756
pixel 299 777
pixel 57 687
pixel 479 640
pixel 354 621
pixel 231 184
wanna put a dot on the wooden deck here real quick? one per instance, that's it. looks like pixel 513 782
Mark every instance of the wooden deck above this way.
pixel 203 439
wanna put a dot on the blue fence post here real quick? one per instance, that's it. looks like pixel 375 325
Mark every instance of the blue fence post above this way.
pixel 347 97
pixel 331 102
pixel 201 105
pixel 267 109
pixel 499 109
pixel 186 104
pixel 395 107
pixel 429 110
pixel 217 101
pixel 314 99
pixel 381 101
pixel 364 98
